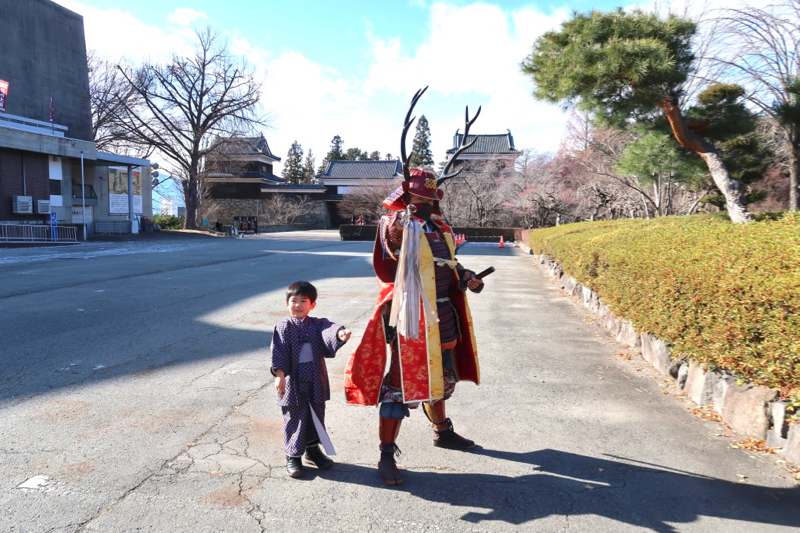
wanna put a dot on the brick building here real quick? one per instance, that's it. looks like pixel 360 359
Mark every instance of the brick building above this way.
pixel 46 141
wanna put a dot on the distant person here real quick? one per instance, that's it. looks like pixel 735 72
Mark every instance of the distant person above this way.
pixel 360 220
pixel 218 226
pixel 300 345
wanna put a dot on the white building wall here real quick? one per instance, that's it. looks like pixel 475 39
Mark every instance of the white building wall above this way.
pixel 168 206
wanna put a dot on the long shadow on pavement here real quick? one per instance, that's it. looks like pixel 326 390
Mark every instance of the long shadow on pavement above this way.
pixel 567 484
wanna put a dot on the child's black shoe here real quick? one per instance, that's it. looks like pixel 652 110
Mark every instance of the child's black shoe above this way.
pixel 320 460
pixel 294 466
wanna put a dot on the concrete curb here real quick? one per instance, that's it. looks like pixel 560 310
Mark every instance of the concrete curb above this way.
pixel 750 410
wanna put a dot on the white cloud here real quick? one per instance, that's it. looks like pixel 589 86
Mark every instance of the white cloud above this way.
pixel 310 103
pixel 185 16
pixel 473 54
pixel 117 34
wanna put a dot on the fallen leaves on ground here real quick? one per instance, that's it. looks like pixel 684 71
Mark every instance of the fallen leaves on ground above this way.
pixel 754 445
pixel 705 413
pixel 624 355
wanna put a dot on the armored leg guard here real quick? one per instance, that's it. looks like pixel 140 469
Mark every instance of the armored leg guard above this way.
pixel 444 436
pixel 387 466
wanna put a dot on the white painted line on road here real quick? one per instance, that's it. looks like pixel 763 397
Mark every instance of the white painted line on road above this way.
pixel 34 483
pixel 301 252
pixel 592 481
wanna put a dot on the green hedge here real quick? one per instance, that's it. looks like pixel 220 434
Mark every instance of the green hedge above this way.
pixel 723 294
pixel 168 221
pixel 349 232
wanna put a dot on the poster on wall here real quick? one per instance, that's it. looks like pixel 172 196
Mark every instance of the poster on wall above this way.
pixel 118 191
pixel 118 204
pixel 3 94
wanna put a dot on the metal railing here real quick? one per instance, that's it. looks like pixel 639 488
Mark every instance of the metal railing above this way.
pixel 37 233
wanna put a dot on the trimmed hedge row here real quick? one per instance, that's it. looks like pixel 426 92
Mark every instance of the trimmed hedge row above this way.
pixel 723 294
pixel 349 232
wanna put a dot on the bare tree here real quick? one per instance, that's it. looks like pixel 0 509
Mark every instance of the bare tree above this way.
pixel 473 198
pixel 760 48
pixel 278 209
pixel 366 200
pixel 189 107
pixel 109 94
pixel 535 193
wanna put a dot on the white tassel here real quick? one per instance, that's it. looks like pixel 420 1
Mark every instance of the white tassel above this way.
pixel 408 284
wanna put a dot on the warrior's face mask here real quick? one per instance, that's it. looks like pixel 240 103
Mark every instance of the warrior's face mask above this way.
pixel 423 211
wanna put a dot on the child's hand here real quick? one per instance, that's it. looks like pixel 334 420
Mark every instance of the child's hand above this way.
pixel 344 334
pixel 280 384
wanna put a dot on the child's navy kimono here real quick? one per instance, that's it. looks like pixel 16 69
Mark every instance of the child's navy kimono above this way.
pixel 299 348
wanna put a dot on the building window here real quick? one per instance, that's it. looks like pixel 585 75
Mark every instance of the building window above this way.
pixel 88 189
pixel 55 187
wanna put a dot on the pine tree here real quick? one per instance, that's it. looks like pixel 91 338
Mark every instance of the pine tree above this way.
pixel 293 168
pixel 422 157
pixel 334 154
pixel 308 168
pixel 623 66
pixel 355 154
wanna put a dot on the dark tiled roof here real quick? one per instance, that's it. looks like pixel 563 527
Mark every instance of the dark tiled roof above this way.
pixel 309 188
pixel 362 170
pixel 246 176
pixel 502 143
pixel 248 146
pixel 262 175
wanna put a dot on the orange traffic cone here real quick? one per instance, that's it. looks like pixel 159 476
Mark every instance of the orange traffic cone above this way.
pixel 502 244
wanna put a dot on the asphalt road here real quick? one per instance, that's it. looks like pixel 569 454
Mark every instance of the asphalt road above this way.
pixel 135 396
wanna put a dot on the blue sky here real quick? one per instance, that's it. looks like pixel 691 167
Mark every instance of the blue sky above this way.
pixel 350 68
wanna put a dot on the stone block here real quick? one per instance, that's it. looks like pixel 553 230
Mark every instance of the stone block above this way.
pixel 778 433
pixel 570 285
pixel 700 385
pixel 609 320
pixel 791 450
pixel 777 414
pixel 775 441
pixel 617 326
pixel 628 335
pixel 725 381
pixel 683 374
pixel 746 409
pixel 656 352
pixel 555 270
pixel 586 294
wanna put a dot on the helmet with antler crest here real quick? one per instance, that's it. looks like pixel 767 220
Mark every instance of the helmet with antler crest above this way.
pixel 422 182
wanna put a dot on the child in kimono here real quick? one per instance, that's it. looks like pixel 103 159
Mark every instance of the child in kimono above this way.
pixel 300 345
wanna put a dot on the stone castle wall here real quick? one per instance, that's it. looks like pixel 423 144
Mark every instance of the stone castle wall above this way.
pixel 224 210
